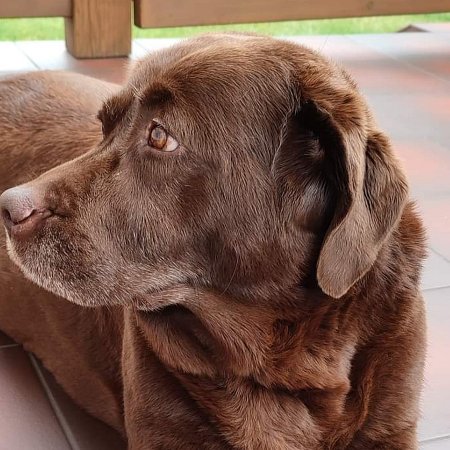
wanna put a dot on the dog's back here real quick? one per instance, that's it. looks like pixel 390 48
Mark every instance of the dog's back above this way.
pixel 46 118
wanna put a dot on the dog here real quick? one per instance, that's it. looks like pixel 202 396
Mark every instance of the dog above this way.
pixel 236 243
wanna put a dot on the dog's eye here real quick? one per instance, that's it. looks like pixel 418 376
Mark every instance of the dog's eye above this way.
pixel 160 139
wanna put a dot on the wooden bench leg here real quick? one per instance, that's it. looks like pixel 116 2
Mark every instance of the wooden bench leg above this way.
pixel 99 28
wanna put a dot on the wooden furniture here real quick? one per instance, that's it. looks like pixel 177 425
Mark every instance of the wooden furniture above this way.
pixel 102 28
pixel 170 13
pixel 93 28
pixel 99 28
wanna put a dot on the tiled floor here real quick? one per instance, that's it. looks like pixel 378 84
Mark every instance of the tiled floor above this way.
pixel 406 78
pixel 37 415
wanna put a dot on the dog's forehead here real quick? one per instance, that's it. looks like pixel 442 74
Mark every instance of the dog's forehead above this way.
pixel 231 83
pixel 223 62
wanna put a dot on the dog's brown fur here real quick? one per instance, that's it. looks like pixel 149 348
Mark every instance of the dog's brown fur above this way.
pixel 257 289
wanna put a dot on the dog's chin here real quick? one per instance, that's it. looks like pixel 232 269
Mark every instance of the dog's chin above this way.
pixel 149 289
pixel 11 251
pixel 87 295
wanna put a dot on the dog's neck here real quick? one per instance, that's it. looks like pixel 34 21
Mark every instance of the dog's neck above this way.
pixel 263 354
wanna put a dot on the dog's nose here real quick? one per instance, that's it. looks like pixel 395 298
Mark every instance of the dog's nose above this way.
pixel 21 212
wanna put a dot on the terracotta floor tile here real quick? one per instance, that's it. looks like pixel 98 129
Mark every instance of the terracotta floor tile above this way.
pixel 151 45
pixel 438 444
pixel 405 45
pixel 427 165
pixel 84 432
pixel 436 397
pixel 337 47
pixel 27 420
pixel 389 76
pixel 380 72
pixel 427 51
pixel 436 272
pixel 52 55
pixel 443 27
pixel 13 59
pixel 405 118
pixel 437 106
pixel 436 215
pixel 137 50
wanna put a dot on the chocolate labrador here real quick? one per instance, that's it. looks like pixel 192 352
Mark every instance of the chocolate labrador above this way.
pixel 236 243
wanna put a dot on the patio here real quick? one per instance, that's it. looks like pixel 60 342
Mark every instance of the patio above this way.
pixel 406 78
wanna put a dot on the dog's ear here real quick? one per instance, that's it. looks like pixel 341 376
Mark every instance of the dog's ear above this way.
pixel 370 192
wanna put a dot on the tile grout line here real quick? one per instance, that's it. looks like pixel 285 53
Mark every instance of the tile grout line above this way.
pixel 401 61
pixel 439 254
pixel 26 56
pixel 136 41
pixel 440 437
pixel 435 288
pixel 54 405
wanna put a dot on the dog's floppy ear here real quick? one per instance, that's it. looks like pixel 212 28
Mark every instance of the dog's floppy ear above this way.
pixel 371 192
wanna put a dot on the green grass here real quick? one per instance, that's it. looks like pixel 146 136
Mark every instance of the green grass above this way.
pixel 35 29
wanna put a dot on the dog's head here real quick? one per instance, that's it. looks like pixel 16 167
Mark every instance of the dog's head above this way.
pixel 237 163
